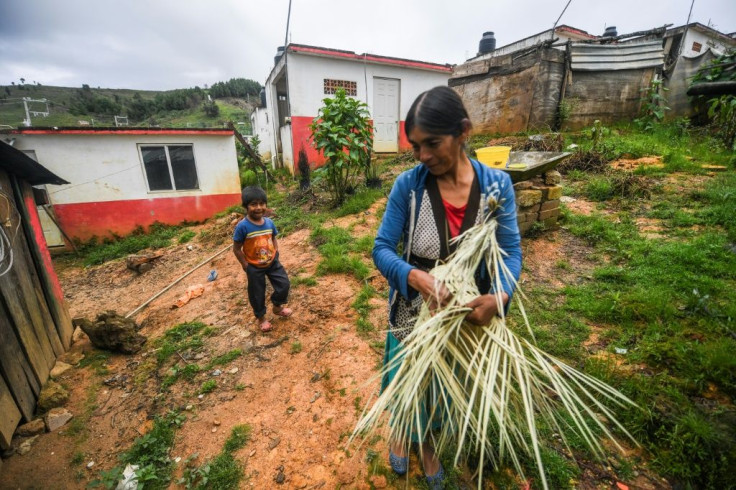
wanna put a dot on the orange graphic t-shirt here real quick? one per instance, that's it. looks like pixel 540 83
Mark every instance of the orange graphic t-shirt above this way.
pixel 258 246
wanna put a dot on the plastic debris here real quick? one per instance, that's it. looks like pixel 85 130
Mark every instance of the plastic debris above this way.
pixel 192 292
pixel 130 479
pixel 621 350
pixel 212 276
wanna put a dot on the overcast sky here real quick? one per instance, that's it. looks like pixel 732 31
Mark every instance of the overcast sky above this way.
pixel 167 44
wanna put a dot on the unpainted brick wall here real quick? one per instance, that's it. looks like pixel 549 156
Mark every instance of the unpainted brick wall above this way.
pixel 538 201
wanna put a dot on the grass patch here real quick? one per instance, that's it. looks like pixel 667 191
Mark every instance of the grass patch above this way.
pixel 151 453
pixel 208 386
pixel 305 280
pixel 296 347
pixel 338 250
pixel 224 472
pixel 186 236
pixel 97 361
pixel 363 307
pixel 360 201
pixel 156 236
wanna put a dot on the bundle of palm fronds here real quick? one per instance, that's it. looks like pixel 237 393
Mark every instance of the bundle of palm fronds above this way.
pixel 488 386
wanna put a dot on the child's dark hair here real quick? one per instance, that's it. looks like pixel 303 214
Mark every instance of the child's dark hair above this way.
pixel 252 193
pixel 438 111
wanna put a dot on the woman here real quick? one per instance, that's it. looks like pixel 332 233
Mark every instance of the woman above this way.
pixel 435 201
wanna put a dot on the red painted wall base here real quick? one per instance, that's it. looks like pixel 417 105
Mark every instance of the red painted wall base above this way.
pixel 301 138
pixel 104 219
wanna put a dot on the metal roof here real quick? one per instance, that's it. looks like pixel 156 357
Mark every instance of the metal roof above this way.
pixel 607 57
pixel 15 162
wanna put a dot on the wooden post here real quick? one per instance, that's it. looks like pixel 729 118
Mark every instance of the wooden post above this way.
pixel 252 154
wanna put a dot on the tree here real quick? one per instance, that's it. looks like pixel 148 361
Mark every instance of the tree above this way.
pixel 211 109
pixel 22 80
pixel 342 133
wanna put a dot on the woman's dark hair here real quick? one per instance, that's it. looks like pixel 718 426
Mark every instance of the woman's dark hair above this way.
pixel 252 193
pixel 437 111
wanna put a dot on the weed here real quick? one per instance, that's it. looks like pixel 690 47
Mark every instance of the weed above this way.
pixel 157 236
pixel 186 236
pixel 363 307
pixel 296 347
pixel 224 359
pixel 151 453
pixel 239 387
pixel 97 360
pixel 305 280
pixel 336 244
pixel 224 472
pixel 208 386
pixel 77 459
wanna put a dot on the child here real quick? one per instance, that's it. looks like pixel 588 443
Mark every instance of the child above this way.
pixel 257 250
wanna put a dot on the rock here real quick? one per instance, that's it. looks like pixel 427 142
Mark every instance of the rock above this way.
pixel 145 267
pixel 523 185
pixel 57 417
pixel 113 332
pixel 216 372
pixel 77 335
pixel 32 428
pixel 233 370
pixel 528 198
pixel 552 177
pixel 74 357
pixel 90 464
pixel 274 442
pixel 52 395
pixel 214 429
pixel 25 446
pixel 216 422
pixel 59 369
pixel 379 481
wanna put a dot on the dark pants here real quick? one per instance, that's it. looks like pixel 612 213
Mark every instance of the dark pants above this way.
pixel 257 286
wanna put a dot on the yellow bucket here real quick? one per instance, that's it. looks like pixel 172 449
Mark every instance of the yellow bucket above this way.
pixel 494 156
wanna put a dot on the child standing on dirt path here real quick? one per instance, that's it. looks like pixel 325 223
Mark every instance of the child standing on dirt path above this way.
pixel 256 248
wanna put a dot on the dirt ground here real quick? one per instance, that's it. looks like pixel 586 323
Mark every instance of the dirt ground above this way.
pixel 300 403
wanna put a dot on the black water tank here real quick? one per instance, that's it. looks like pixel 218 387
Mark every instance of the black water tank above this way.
pixel 610 32
pixel 487 43
pixel 279 53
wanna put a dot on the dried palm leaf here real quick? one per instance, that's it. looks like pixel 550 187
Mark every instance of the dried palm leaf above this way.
pixel 487 385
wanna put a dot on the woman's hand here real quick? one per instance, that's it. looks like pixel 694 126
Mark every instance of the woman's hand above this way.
pixel 434 293
pixel 485 307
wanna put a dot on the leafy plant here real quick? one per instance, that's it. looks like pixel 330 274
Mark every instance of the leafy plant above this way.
pixel 722 111
pixel 341 131
pixel 654 105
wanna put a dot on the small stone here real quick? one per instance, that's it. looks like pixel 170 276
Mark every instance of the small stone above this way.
pixel 233 370
pixel 32 428
pixel 252 453
pixel 77 336
pixel 274 442
pixel 25 446
pixel 216 372
pixel 57 417
pixel 200 396
pixel 217 422
pixel 316 396
pixel 59 369
pixel 190 248
pixel 188 407
pixel 552 177
pixel 52 395
pixel 214 429
pixel 177 459
pixel 90 464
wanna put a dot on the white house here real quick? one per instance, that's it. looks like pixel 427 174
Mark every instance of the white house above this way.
pixel 123 178
pixel 305 75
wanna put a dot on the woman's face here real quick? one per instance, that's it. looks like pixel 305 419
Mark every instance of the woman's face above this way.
pixel 438 152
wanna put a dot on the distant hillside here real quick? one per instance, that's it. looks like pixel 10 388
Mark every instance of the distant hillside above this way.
pixel 70 106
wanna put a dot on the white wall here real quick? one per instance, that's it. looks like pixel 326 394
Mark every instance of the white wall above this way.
pixel 109 168
pixel 307 74
pixel 706 41
pixel 260 121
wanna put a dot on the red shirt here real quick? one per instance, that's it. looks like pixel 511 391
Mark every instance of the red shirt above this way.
pixel 455 217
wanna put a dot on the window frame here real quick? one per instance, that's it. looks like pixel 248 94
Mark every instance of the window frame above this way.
pixel 168 166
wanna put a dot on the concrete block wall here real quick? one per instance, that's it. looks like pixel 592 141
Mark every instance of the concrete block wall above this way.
pixel 538 201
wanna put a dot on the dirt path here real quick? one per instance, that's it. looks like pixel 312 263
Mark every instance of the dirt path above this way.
pixel 300 387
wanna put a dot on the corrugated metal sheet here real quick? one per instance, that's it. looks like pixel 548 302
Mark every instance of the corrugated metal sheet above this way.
pixel 608 57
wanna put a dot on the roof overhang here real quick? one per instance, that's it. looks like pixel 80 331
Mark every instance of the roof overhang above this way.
pixel 17 163
pixel 122 131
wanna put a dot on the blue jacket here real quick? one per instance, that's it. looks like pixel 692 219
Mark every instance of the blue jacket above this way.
pixel 401 213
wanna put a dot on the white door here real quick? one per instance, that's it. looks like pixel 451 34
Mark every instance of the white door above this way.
pixel 385 115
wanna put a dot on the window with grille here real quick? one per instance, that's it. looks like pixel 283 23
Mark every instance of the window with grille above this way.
pixel 169 167
pixel 331 86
